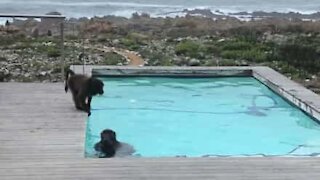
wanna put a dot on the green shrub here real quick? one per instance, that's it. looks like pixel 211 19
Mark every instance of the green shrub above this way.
pixel 246 33
pixel 113 59
pixel 72 37
pixel 300 55
pixel 246 50
pixel 221 62
pixel 6 40
pixel 188 48
pixel 22 45
pixel 237 45
pixel 295 28
pixel 212 49
pixel 138 37
pixel 159 59
pixel 227 62
pixel 184 22
pixel 2 58
pixel 250 55
pixel 102 39
pixel 53 51
pixel 165 61
pixel 129 43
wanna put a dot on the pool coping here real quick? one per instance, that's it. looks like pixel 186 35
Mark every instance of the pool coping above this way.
pixel 295 93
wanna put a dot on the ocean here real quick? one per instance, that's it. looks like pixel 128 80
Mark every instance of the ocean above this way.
pixel 90 8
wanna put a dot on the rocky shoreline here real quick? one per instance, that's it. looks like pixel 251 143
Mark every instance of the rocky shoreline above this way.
pixel 247 15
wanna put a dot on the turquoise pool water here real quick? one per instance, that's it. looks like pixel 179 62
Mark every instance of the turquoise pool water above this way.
pixel 195 117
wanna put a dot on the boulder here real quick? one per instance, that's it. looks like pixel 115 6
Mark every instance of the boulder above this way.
pixel 194 62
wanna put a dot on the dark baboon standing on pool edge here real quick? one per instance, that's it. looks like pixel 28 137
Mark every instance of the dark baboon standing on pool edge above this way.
pixel 82 89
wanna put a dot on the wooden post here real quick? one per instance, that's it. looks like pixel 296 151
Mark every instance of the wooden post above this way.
pixel 62 48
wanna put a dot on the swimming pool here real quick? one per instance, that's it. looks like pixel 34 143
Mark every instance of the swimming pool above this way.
pixel 200 117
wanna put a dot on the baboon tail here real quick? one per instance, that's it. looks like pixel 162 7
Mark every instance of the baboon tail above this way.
pixel 68 71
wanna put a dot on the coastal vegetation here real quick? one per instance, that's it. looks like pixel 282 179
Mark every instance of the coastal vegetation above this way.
pixel 291 46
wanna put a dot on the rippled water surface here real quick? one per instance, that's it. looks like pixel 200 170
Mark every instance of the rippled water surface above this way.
pixel 195 117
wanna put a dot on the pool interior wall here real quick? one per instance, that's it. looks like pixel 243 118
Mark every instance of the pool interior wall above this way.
pixel 196 117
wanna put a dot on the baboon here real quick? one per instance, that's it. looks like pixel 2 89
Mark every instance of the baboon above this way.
pixel 109 146
pixel 49 33
pixel 7 23
pixel 82 89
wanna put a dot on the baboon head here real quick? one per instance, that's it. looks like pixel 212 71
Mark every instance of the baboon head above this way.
pixel 108 136
pixel 108 142
pixel 95 86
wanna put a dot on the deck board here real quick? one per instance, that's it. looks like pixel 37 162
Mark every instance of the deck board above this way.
pixel 42 137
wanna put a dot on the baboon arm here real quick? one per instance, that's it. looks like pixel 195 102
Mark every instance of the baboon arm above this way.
pixel 89 105
pixel 89 101
pixel 82 100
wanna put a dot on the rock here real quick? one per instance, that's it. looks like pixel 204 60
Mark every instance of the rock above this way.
pixel 179 39
pixel 47 43
pixel 35 32
pixel 116 41
pixel 15 73
pixel 178 61
pixel 194 62
pixel 3 59
pixel 6 72
pixel 277 38
pixel 27 75
pixel 43 73
pixel 54 13
pixel 243 63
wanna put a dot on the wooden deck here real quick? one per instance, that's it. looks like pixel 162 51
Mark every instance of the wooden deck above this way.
pixel 42 137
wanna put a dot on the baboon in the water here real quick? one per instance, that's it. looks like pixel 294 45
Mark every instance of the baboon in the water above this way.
pixel 109 146
pixel 82 89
